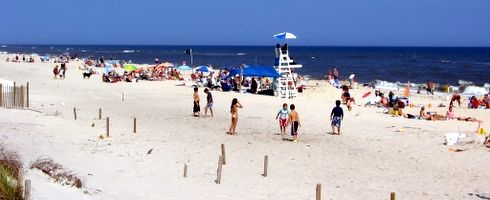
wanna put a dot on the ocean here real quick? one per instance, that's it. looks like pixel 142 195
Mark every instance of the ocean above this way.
pixel 444 65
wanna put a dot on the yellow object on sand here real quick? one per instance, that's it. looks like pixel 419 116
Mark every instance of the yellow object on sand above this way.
pixel 482 131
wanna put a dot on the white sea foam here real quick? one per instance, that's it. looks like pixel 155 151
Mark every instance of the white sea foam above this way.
pixel 474 90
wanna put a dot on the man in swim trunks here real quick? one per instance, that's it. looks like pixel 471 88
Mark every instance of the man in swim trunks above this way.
pixel 283 116
pixel 196 108
pixel 336 117
pixel 209 104
pixel 294 121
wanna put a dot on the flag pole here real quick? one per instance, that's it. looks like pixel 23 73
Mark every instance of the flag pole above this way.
pixel 192 59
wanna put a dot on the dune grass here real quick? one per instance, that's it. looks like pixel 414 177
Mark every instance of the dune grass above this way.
pixel 10 176
pixel 56 171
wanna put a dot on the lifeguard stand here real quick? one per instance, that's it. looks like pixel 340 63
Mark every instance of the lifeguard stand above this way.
pixel 285 85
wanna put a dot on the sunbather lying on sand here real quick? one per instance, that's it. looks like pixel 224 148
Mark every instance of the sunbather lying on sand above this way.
pixel 430 116
pixel 450 115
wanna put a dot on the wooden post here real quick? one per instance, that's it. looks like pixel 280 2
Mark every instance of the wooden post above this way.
pixel 185 170
pixel 134 125
pixel 27 92
pixel 220 167
pixel 75 113
pixel 100 113
pixel 266 165
pixel 1 95
pixel 122 96
pixel 318 191
pixel 392 196
pixel 107 126
pixel 13 102
pixel 10 97
pixel 22 96
pixel 27 190
pixel 223 155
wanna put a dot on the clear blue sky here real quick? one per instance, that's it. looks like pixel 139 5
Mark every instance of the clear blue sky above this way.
pixel 246 22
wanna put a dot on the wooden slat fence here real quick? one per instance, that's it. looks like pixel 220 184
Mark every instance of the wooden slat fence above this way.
pixel 16 97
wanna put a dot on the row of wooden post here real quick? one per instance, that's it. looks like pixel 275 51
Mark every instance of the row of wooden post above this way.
pixel 222 161
pixel 107 120
pixel 14 97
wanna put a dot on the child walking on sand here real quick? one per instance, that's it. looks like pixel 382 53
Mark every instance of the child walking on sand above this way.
pixel 234 116
pixel 294 121
pixel 56 72
pixel 209 104
pixel 283 116
pixel 196 108
pixel 336 117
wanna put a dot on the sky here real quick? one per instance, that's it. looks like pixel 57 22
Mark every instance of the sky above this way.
pixel 247 22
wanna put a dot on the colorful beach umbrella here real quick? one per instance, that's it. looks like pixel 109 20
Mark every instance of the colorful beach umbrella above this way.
pixel 130 67
pixel 285 36
pixel 184 68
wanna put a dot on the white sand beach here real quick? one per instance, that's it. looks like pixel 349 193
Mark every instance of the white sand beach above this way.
pixel 376 153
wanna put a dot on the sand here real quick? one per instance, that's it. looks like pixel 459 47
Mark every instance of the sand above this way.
pixel 376 154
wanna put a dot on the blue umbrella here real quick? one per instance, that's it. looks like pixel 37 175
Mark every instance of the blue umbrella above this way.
pixel 203 69
pixel 285 35
pixel 184 68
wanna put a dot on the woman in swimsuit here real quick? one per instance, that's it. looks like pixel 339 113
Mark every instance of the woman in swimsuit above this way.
pixel 234 115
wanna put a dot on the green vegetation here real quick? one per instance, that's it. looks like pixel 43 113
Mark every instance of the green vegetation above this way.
pixel 10 176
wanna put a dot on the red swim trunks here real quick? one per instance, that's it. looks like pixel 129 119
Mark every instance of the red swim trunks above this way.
pixel 283 122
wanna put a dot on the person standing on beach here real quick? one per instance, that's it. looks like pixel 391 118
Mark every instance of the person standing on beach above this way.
pixel 209 104
pixel 294 121
pixel 63 70
pixel 335 74
pixel 336 117
pixel 234 116
pixel 283 116
pixel 430 87
pixel 55 72
pixel 351 80
pixel 196 108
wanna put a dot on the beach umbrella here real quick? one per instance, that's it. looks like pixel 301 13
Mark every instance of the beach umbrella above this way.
pixel 203 69
pixel 184 68
pixel 130 67
pixel 166 64
pixel 285 35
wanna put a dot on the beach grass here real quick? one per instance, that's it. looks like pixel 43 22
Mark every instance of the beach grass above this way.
pixel 56 171
pixel 10 176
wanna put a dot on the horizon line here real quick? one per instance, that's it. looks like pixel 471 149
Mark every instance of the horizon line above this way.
pixel 244 45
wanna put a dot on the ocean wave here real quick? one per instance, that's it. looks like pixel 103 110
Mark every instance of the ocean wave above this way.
pixel 466 88
pixel 474 90
pixel 128 51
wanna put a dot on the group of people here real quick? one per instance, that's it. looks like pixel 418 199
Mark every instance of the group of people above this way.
pixel 474 102
pixel 60 71
pixel 18 59
pixel 286 116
